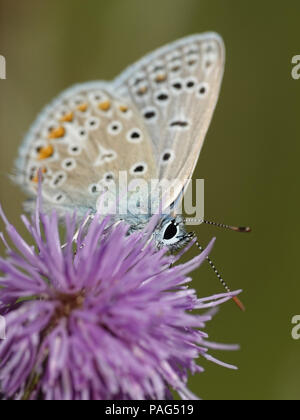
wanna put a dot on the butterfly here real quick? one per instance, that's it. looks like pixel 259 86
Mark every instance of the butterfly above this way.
pixel 150 122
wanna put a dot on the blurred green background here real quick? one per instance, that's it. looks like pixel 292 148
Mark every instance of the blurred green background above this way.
pixel 250 160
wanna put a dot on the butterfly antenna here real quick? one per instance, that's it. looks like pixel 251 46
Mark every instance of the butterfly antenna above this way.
pixel 235 298
pixel 234 228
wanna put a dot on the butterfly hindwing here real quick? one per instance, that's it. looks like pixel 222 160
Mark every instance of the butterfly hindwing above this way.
pixel 80 143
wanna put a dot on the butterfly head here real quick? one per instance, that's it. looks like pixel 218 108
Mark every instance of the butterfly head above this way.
pixel 171 233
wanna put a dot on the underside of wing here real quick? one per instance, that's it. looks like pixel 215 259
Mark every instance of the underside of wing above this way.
pixel 80 143
pixel 176 90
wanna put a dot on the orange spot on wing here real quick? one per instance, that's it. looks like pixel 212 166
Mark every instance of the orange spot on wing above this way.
pixel 82 107
pixel 105 106
pixel 57 133
pixel 68 117
pixel 46 152
pixel 123 108
pixel 143 90
pixel 161 78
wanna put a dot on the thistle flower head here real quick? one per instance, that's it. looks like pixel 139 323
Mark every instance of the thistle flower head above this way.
pixel 102 318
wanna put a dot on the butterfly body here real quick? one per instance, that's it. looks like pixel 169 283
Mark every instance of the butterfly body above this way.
pixel 149 123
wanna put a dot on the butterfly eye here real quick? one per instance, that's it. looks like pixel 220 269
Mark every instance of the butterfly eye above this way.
pixel 170 232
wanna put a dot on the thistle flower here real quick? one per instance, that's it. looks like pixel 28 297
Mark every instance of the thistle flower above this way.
pixel 104 318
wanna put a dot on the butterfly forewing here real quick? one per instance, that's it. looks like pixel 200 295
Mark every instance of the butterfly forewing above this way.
pixel 176 89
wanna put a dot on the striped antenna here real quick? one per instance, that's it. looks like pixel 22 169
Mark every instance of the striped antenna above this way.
pixel 235 298
pixel 234 228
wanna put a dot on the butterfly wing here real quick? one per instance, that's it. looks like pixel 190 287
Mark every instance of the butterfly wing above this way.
pixel 80 143
pixel 150 122
pixel 176 90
